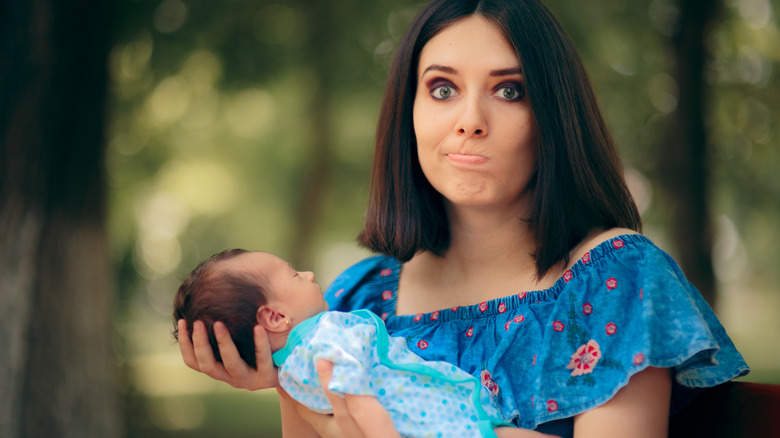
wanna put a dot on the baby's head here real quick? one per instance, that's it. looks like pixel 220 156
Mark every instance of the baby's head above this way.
pixel 242 289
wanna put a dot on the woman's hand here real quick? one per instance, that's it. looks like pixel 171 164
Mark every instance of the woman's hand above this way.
pixel 233 370
pixel 354 416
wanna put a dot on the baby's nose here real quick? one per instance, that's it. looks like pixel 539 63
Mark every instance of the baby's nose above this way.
pixel 308 275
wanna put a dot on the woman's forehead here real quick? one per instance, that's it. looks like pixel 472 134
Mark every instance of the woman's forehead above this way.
pixel 472 40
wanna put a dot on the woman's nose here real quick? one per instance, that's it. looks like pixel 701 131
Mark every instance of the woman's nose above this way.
pixel 472 120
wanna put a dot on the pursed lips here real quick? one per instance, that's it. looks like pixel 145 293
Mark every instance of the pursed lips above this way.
pixel 467 159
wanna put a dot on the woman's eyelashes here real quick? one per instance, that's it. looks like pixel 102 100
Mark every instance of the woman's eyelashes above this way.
pixel 508 91
pixel 511 91
pixel 442 90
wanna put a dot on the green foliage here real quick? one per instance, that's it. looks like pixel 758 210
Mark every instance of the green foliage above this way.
pixel 218 109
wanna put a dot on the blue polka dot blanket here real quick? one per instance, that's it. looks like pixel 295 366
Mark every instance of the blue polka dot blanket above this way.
pixel 423 398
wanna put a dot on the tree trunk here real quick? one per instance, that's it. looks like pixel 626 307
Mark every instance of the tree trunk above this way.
pixel 57 376
pixel 317 167
pixel 686 152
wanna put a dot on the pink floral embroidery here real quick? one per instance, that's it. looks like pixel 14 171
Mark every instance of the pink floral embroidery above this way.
pixel 618 244
pixel 552 405
pixel 385 272
pixel 586 257
pixel 435 315
pixel 517 319
pixel 521 295
pixel 418 316
pixel 611 283
pixel 454 309
pixel 567 275
pixel 487 382
pixel 534 361
pixel 386 295
pixel 558 326
pixel 384 316
pixel 423 345
pixel 483 306
pixel 639 358
pixel 339 292
pixel 585 358
pixel 470 332
pixel 641 294
pixel 501 308
pixel 587 309
pixel 611 328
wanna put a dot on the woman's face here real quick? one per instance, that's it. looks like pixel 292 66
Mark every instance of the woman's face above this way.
pixel 473 123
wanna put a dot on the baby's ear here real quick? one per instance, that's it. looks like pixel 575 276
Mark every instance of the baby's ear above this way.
pixel 272 320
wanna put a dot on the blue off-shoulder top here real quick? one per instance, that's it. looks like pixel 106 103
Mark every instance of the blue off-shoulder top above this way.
pixel 548 355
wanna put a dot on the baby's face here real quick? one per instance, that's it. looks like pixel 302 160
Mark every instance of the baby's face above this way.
pixel 297 291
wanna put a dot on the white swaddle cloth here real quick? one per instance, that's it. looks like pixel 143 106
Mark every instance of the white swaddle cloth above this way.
pixel 423 398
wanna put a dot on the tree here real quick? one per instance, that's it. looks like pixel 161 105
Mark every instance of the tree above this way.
pixel 686 149
pixel 56 368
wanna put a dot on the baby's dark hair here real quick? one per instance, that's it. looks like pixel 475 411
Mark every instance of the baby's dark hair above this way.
pixel 211 294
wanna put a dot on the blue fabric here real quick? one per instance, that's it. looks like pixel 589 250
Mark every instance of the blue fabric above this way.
pixel 424 399
pixel 551 354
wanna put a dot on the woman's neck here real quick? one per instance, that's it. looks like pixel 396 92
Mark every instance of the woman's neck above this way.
pixel 490 256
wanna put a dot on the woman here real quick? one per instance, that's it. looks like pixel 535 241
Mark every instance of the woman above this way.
pixel 509 241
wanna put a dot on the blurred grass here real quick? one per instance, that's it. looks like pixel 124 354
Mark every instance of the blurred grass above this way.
pixel 237 414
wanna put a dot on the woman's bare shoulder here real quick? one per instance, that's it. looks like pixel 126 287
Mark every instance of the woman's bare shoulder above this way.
pixel 594 239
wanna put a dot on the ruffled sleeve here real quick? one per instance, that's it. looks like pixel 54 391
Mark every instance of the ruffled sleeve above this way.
pixel 625 307
pixel 370 284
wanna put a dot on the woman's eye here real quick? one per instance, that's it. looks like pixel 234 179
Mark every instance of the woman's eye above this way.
pixel 510 92
pixel 442 92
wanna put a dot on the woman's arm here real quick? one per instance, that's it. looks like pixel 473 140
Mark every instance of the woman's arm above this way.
pixel 639 410
pixel 233 370
pixel 516 432
pixel 293 425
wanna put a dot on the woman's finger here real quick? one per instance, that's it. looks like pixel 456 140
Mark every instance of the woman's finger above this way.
pixel 233 370
pixel 185 346
pixel 207 363
pixel 239 373
pixel 264 358
pixel 234 366
pixel 348 427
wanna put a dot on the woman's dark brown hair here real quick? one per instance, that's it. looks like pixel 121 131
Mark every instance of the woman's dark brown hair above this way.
pixel 578 185
pixel 209 294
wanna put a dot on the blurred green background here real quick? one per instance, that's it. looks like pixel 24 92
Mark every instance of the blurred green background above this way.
pixel 250 124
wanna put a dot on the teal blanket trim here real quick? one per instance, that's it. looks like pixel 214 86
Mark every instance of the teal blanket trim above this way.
pixel 296 335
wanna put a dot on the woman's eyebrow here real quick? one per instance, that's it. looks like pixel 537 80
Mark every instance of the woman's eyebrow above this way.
pixel 499 72
pixel 441 68
pixel 507 71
